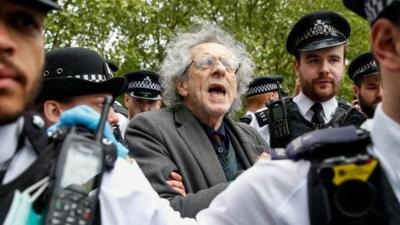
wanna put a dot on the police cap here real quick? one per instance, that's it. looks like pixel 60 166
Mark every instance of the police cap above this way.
pixel 362 66
pixel 264 84
pixel 71 72
pixel 318 30
pixel 144 85
pixel 373 9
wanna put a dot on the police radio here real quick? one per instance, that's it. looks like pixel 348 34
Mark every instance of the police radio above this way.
pixel 278 119
pixel 78 173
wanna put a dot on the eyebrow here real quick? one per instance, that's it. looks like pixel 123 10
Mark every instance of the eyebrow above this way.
pixel 312 56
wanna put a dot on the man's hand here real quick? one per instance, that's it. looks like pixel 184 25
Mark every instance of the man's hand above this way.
pixel 176 182
pixel 263 156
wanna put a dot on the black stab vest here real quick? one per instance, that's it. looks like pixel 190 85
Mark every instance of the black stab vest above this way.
pixel 298 125
pixel 39 169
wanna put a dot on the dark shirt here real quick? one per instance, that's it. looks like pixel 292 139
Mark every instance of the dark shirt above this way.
pixel 220 148
pixel 226 155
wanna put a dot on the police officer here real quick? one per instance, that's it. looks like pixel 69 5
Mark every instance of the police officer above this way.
pixel 260 92
pixel 318 42
pixel 363 71
pixel 143 94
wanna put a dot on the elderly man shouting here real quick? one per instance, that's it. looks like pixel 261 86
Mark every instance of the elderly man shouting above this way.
pixel 191 150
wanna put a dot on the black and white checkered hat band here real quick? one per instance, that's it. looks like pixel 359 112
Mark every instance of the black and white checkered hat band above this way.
pixel 374 7
pixel 262 89
pixel 144 84
pixel 89 77
pixel 320 28
pixel 371 66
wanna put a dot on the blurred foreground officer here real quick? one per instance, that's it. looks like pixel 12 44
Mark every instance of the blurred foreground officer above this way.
pixel 75 76
pixel 261 91
pixel 204 75
pixel 363 71
pixel 22 136
pixel 144 92
pixel 318 42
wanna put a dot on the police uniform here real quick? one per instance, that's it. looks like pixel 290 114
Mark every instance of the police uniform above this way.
pixel 258 119
pixel 26 155
pixel 116 195
pixel 314 31
pixel 22 141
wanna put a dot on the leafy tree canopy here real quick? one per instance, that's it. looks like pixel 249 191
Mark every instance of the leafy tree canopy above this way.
pixel 134 33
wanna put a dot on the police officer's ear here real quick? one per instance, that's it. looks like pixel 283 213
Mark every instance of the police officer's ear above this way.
pixel 296 66
pixel 52 111
pixel 127 99
pixel 385 38
pixel 356 90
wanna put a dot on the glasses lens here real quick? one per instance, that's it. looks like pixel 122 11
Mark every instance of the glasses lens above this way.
pixel 209 61
pixel 229 64
pixel 204 62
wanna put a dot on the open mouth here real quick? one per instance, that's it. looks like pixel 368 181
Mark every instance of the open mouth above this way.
pixel 217 90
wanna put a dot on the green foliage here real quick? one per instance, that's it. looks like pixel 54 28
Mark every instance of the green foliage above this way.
pixel 134 33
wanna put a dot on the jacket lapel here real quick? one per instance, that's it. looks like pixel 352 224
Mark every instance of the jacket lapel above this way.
pixel 199 145
pixel 244 149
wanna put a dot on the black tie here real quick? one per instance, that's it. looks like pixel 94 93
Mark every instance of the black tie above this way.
pixel 317 118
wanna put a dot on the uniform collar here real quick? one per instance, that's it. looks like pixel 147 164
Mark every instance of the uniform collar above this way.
pixel 385 134
pixel 9 136
pixel 305 104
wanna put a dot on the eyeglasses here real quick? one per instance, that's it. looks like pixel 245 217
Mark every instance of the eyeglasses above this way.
pixel 207 61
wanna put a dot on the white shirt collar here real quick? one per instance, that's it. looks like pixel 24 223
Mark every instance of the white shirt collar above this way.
pixel 9 135
pixel 385 134
pixel 305 104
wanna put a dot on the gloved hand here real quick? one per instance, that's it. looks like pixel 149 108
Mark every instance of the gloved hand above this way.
pixel 83 115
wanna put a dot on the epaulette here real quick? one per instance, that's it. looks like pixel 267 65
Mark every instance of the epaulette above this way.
pixel 245 119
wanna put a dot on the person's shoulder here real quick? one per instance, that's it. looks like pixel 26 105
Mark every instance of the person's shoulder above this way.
pixel 155 115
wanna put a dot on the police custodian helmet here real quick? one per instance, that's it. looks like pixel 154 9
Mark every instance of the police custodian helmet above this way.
pixel 71 72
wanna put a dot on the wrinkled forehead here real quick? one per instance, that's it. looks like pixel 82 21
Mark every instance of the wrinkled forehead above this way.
pixel 212 48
